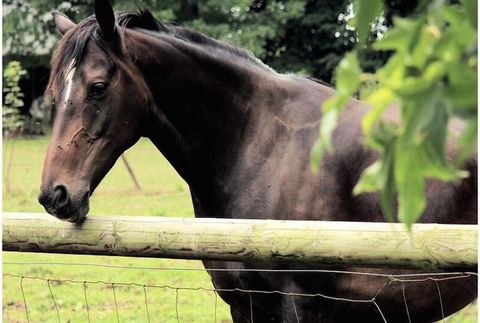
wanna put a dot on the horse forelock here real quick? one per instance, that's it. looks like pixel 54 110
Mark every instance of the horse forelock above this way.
pixel 68 54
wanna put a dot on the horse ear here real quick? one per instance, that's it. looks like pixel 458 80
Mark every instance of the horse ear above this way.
pixel 105 18
pixel 62 22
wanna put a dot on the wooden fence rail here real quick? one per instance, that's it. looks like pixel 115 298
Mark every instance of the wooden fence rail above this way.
pixel 427 246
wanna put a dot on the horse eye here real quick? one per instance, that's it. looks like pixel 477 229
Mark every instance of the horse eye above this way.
pixel 97 89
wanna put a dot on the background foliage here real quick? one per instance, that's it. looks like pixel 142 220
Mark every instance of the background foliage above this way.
pixel 12 120
pixel 300 36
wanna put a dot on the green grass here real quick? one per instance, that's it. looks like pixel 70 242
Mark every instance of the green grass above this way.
pixel 163 193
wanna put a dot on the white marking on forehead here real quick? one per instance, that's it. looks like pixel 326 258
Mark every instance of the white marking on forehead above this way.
pixel 68 82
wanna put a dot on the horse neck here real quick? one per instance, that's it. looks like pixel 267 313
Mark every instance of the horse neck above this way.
pixel 201 103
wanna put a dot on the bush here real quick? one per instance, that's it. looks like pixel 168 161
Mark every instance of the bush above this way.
pixel 13 121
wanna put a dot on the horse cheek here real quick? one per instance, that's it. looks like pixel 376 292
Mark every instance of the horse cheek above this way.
pixel 95 120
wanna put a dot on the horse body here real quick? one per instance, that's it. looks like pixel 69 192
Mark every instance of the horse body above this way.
pixel 240 135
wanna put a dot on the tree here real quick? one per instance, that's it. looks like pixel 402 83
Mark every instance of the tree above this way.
pixel 300 36
pixel 432 74
pixel 270 29
pixel 317 37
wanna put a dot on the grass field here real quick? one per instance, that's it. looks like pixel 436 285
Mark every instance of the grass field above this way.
pixel 163 194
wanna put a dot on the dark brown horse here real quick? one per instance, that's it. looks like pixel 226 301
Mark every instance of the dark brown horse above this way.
pixel 240 135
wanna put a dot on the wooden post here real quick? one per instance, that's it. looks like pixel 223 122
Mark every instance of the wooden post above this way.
pixel 132 174
pixel 427 246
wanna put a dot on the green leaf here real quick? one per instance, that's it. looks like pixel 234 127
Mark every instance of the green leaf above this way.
pixel 379 100
pixel 336 102
pixel 365 13
pixel 424 46
pixel 461 91
pixel 348 81
pixel 394 70
pixel 324 141
pixel 418 115
pixel 415 87
pixel 379 177
pixel 468 140
pixel 389 185
pixel 316 156
pixel 348 75
pixel 382 136
pixel 459 24
pixel 408 172
pixel 447 49
pixel 370 180
pixel 401 37
pixel 471 11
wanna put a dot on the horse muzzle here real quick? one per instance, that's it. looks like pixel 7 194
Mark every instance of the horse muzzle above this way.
pixel 59 202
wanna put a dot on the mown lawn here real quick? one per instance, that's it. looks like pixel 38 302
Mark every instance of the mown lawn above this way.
pixel 163 193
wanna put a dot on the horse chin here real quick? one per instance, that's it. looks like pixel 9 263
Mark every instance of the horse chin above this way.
pixel 75 214
pixel 80 215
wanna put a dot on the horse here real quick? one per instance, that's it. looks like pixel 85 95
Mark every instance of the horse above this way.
pixel 240 135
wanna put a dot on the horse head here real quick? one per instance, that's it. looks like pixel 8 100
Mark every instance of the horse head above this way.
pixel 100 104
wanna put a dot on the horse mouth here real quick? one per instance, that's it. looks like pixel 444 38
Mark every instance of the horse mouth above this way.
pixel 74 212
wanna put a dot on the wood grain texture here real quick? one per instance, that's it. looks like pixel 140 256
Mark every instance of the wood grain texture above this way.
pixel 427 246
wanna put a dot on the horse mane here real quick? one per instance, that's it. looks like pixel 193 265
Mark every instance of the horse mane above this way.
pixel 69 51
pixel 144 19
pixel 319 81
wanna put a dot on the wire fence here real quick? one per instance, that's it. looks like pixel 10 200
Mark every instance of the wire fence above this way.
pixel 144 291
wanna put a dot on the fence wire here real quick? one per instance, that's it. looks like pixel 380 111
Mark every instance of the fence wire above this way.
pixel 145 288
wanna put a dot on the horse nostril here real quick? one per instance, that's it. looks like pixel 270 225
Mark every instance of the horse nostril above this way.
pixel 60 197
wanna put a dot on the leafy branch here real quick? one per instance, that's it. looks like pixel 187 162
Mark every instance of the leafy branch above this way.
pixel 432 76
